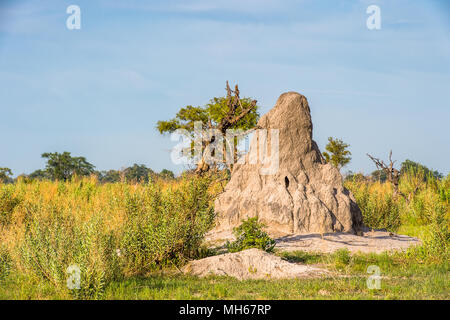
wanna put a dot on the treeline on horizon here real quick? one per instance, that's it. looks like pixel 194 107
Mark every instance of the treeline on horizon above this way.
pixel 63 167
pixel 406 166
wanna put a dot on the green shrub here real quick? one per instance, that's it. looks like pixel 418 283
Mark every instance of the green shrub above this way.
pixel 166 227
pixel 250 234
pixel 437 244
pixel 54 242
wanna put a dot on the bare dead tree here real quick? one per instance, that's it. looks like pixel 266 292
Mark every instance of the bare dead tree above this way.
pixel 393 176
pixel 228 121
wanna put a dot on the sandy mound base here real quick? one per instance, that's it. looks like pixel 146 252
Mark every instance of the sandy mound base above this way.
pixel 251 264
pixel 376 241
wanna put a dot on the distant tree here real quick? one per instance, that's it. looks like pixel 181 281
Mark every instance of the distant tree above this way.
pixel 351 176
pixel 5 175
pixel 62 166
pixel 39 175
pixel 167 174
pixel 230 112
pixel 337 153
pixel 138 173
pixel 379 175
pixel 135 173
pixel 110 176
pixel 408 165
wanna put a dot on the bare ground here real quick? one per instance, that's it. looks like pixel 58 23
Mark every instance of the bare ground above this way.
pixel 373 241
pixel 257 264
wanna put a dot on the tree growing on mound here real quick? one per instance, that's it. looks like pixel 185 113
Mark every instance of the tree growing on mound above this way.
pixel 337 153
pixel 250 234
pixel 230 112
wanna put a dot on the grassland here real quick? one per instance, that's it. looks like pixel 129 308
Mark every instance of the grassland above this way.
pixel 401 279
pixel 129 240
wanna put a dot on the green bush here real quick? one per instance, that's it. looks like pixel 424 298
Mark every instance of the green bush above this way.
pixel 437 243
pixel 166 227
pixel 52 243
pixel 250 234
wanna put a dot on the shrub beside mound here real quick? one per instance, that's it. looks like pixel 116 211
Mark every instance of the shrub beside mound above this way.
pixel 250 234
pixel 166 227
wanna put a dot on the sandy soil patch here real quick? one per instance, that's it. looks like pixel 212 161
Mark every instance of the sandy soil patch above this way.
pixel 251 264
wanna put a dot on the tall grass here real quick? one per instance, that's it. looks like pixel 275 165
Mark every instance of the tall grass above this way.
pixel 104 232
pixel 113 231
pixel 423 210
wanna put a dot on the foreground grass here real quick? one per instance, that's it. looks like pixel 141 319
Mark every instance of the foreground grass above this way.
pixel 118 234
pixel 402 278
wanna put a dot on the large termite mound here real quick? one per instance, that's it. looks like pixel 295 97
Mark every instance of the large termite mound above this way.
pixel 303 194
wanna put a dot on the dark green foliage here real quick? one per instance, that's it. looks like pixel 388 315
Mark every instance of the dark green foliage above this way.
pixel 5 175
pixel 167 174
pixel 62 166
pixel 409 165
pixel 379 175
pixel 350 176
pixel 214 111
pixel 135 174
pixel 110 176
pixel 166 227
pixel 138 173
pixel 337 154
pixel 250 234
pixel 39 175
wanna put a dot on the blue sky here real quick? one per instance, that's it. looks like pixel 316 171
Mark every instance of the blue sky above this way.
pixel 99 91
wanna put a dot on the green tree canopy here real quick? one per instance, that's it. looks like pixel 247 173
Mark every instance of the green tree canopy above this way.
pixel 337 153
pixel 210 115
pixel 39 175
pixel 62 166
pixel 110 176
pixel 223 113
pixel 408 165
pixel 138 173
pixel 167 174
pixel 5 175
pixel 379 175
